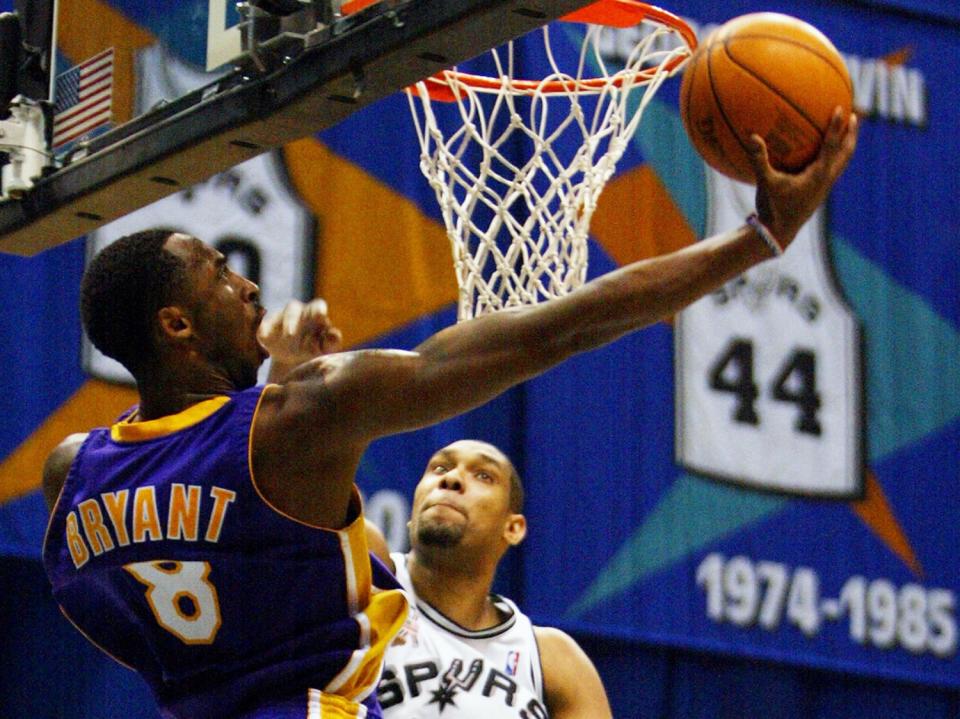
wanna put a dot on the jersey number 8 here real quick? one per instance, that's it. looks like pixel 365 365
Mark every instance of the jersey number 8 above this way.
pixel 181 597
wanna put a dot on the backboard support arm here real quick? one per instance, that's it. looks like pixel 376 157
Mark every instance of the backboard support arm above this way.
pixel 350 63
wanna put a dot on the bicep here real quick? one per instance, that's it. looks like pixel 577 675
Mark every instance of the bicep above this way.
pixel 572 686
pixel 355 397
pixel 309 433
pixel 366 394
pixel 350 396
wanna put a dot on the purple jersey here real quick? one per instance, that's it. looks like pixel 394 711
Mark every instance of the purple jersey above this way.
pixel 162 551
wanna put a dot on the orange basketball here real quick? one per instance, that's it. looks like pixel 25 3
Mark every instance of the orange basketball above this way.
pixel 763 73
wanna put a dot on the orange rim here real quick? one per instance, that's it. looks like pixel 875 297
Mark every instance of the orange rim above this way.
pixel 610 13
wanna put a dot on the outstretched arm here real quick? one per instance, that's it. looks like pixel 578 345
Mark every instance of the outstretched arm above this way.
pixel 572 688
pixel 314 428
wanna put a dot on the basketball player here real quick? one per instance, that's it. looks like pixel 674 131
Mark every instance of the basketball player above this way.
pixel 212 538
pixel 464 652
pixel 455 623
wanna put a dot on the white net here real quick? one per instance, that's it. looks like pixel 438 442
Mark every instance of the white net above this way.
pixel 518 228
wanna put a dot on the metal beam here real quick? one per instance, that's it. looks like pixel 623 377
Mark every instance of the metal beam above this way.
pixel 365 58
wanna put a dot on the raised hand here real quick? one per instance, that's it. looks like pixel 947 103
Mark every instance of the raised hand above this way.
pixel 785 201
pixel 298 333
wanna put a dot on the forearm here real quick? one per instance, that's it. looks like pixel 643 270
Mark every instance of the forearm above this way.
pixel 359 396
pixel 649 291
pixel 470 363
pixel 533 339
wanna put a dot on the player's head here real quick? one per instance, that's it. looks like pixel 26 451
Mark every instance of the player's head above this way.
pixel 158 295
pixel 470 496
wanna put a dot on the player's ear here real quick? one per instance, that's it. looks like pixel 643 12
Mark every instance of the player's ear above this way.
pixel 174 323
pixel 515 529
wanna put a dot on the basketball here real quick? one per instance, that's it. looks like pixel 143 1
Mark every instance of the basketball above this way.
pixel 763 73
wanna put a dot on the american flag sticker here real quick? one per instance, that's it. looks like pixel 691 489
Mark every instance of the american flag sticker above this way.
pixel 83 101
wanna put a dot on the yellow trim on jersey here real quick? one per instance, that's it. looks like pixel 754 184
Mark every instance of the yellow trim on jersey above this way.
pixel 253 423
pixel 128 431
pixel 356 558
pixel 379 624
pixel 379 617
pixel 321 705
pixel 379 614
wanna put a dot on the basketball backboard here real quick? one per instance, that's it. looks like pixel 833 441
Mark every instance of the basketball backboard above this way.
pixel 183 96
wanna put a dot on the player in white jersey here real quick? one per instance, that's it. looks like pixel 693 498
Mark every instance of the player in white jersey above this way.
pixel 436 667
pixel 463 651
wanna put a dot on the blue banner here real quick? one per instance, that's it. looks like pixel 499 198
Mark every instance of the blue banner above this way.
pixel 653 514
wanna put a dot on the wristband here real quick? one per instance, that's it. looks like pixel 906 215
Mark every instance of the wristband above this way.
pixel 768 239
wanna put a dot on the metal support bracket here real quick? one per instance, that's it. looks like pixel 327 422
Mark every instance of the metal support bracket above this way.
pixel 23 138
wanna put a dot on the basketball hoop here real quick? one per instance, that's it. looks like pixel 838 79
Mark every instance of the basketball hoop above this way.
pixel 518 229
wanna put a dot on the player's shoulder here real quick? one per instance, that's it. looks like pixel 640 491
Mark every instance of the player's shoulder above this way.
pixel 551 639
pixel 57 466
pixel 62 456
pixel 571 684
pixel 561 657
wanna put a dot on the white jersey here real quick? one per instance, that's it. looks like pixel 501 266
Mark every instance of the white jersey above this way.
pixel 436 669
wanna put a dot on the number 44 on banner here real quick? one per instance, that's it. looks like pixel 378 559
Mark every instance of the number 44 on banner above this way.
pixel 769 387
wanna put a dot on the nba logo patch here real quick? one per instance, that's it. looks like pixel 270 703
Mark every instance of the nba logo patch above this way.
pixel 513 661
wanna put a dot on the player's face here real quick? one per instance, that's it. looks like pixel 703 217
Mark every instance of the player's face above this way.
pixel 225 311
pixel 463 498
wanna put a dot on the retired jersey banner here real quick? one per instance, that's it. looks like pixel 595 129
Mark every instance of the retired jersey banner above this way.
pixel 769 390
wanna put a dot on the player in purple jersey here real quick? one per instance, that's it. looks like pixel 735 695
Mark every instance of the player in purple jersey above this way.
pixel 182 539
